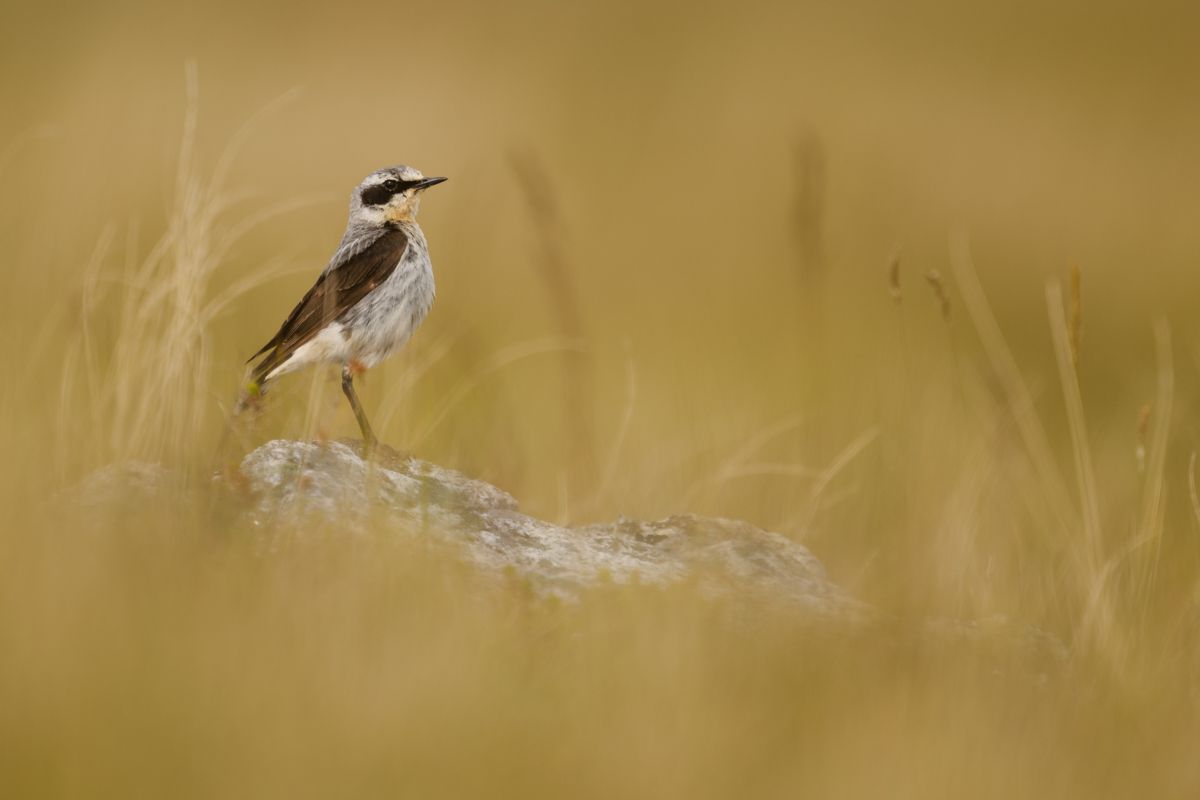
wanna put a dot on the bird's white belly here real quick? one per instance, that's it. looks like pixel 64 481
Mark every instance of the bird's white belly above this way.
pixel 381 330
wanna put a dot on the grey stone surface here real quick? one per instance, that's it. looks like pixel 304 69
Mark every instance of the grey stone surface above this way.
pixel 295 484
pixel 289 488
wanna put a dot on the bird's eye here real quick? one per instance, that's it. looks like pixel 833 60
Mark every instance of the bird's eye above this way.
pixel 391 184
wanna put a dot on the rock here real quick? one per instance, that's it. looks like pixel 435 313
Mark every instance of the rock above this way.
pixel 292 488
pixel 299 483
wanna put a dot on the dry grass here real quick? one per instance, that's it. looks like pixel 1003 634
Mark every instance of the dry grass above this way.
pixel 944 452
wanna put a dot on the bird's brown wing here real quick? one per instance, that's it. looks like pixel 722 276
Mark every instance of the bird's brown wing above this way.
pixel 355 271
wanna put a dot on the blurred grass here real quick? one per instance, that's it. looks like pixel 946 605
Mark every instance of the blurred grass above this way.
pixel 682 265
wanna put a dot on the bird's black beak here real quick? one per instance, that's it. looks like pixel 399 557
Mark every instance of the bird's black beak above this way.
pixel 427 182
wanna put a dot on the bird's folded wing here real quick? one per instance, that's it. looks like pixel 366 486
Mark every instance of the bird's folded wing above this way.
pixel 357 268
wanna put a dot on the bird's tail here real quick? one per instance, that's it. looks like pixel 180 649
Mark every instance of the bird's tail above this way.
pixel 269 357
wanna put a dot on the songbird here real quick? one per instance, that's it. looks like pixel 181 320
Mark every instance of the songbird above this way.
pixel 370 298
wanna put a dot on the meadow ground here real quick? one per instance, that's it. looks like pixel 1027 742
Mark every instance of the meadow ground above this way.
pixel 912 289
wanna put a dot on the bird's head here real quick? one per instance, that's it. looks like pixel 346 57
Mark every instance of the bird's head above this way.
pixel 390 195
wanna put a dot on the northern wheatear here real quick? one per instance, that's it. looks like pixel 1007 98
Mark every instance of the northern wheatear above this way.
pixel 371 297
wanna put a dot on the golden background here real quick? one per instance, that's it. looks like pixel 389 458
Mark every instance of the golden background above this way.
pixel 682 265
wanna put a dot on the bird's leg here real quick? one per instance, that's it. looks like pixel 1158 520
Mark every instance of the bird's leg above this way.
pixel 359 414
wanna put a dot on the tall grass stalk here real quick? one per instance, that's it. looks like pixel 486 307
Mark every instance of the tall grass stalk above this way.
pixel 1098 627
pixel 144 389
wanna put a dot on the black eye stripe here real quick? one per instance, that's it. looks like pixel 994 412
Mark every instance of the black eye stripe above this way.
pixel 375 195
pixel 380 193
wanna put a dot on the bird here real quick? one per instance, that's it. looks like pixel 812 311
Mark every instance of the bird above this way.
pixel 368 301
